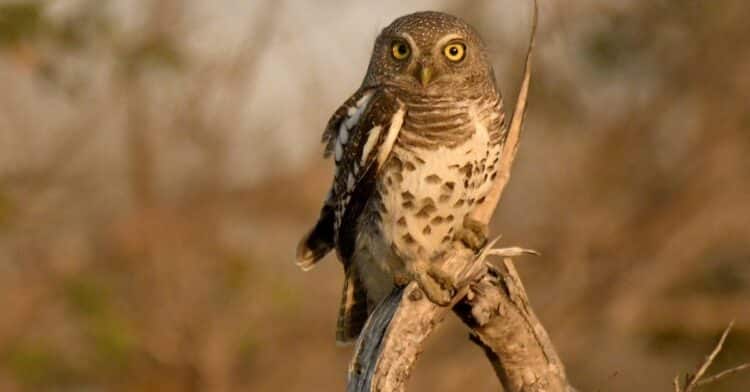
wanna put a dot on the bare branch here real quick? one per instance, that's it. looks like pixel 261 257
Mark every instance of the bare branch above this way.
pixel 723 374
pixel 394 334
pixel 693 382
pixel 505 326
pixel 484 212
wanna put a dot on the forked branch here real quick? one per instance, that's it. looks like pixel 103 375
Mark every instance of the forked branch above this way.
pixel 695 381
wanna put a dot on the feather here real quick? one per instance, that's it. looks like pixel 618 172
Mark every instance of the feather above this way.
pixel 353 310
pixel 354 137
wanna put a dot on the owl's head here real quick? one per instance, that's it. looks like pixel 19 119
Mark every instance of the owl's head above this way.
pixel 429 52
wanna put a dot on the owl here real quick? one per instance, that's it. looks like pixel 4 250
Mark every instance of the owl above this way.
pixel 416 149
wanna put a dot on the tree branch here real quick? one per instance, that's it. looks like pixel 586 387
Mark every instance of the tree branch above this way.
pixel 693 382
pixel 505 326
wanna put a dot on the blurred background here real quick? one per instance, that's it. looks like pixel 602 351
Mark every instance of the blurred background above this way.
pixel 159 160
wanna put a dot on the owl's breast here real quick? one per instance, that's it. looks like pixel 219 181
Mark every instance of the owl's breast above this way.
pixel 426 190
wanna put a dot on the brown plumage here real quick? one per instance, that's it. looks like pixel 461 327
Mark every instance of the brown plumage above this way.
pixel 414 149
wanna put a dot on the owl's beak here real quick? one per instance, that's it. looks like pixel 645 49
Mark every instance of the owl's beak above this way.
pixel 425 75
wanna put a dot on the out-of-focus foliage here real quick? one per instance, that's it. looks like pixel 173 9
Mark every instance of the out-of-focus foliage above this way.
pixel 159 161
pixel 19 21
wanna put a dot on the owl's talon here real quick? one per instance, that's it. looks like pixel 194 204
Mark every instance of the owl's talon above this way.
pixel 437 289
pixel 473 234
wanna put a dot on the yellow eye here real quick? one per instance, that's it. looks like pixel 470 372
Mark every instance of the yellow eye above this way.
pixel 455 52
pixel 400 50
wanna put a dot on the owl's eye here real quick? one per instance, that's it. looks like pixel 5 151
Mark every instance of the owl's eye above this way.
pixel 455 52
pixel 400 50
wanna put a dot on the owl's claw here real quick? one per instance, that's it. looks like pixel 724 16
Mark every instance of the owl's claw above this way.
pixel 473 234
pixel 439 285
pixel 436 286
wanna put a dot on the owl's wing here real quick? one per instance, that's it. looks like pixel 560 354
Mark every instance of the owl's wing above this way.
pixel 359 136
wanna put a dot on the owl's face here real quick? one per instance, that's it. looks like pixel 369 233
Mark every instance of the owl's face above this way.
pixel 429 52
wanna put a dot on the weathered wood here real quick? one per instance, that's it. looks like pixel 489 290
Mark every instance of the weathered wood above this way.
pixel 362 368
pixel 504 325
pixel 393 336
pixel 385 364
pixel 497 311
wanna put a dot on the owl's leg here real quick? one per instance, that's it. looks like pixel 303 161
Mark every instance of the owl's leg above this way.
pixel 436 289
pixel 439 285
pixel 444 284
pixel 435 286
pixel 473 234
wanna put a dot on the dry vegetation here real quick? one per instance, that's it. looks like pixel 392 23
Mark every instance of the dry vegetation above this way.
pixel 144 246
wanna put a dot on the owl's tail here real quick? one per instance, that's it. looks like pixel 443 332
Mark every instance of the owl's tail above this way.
pixel 318 242
pixel 353 309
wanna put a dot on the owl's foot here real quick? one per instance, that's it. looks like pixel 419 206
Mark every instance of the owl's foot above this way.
pixel 446 282
pixel 435 285
pixel 473 234
pixel 441 286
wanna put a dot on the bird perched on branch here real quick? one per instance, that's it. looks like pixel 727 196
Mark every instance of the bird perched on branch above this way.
pixel 416 149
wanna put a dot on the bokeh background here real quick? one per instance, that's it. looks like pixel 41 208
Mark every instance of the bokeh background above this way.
pixel 159 161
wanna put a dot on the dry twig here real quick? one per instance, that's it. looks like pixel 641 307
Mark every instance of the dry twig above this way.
pixel 723 374
pixel 692 382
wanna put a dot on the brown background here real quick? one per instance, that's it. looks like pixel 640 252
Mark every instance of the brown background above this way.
pixel 160 159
